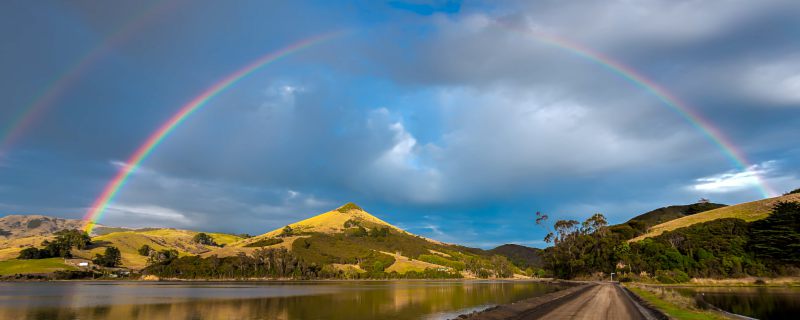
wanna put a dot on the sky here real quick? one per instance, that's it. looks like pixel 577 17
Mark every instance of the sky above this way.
pixel 455 121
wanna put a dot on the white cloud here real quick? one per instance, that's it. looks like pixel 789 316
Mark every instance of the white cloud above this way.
pixel 146 216
pixel 766 175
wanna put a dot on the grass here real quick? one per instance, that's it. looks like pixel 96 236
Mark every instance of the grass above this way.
pixel 402 264
pixel 129 242
pixel 749 211
pixel 676 310
pixel 331 221
pixel 15 266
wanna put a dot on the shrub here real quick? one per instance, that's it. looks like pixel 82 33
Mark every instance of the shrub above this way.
pixel 286 232
pixel 111 258
pixel 30 253
pixel 264 242
pixel 205 239
pixel 34 223
pixel 674 276
pixel 145 250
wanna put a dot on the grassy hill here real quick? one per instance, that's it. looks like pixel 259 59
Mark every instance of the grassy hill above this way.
pixel 347 239
pixel 128 242
pixel 749 211
pixel 665 214
pixel 350 238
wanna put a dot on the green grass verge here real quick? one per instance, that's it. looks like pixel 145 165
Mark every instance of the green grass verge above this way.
pixel 15 266
pixel 672 309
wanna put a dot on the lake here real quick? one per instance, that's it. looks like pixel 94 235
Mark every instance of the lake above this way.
pixel 755 302
pixel 259 300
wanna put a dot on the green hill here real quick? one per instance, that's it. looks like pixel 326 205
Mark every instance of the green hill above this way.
pixel 522 256
pixel 353 240
pixel 749 211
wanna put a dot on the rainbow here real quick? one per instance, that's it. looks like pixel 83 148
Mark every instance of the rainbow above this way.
pixel 23 119
pixel 705 127
pixel 109 192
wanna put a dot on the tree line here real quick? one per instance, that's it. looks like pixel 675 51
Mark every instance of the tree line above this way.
pixel 720 248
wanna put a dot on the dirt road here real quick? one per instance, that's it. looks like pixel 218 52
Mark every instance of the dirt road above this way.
pixel 601 300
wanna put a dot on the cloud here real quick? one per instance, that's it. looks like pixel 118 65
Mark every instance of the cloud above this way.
pixel 768 175
pixel 775 81
pixel 146 216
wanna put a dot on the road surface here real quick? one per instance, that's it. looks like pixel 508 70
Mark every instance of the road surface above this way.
pixel 599 300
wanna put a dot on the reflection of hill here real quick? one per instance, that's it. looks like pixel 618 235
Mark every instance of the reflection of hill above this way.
pixel 324 300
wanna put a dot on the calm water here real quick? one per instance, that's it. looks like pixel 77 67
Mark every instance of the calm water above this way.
pixel 267 300
pixel 756 302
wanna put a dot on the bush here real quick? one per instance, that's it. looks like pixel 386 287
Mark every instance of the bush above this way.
pixel 264 242
pixel 145 250
pixel 674 276
pixel 111 258
pixel 286 232
pixel 30 253
pixel 205 239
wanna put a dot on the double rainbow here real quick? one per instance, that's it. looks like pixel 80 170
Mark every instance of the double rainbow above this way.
pixel 713 134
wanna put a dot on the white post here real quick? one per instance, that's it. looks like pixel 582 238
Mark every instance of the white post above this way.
pixel 612 277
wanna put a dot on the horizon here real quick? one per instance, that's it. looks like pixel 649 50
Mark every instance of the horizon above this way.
pixel 454 121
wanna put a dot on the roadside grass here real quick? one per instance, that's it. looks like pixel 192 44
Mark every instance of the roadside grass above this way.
pixel 750 211
pixel 15 266
pixel 675 306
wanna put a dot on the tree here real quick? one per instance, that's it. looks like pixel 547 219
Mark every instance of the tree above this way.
pixel 286 232
pixel 205 239
pixel 145 250
pixel 74 238
pixel 30 253
pixel 111 258
pixel 162 256
pixel 777 237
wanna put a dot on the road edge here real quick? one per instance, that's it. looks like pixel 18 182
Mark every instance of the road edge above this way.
pixel 647 310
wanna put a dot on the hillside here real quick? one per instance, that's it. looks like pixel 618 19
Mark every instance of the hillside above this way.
pixel 749 211
pixel 20 226
pixel 352 240
pixel 521 256
pixel 346 242
pixel 25 231
pixel 665 214
pixel 129 242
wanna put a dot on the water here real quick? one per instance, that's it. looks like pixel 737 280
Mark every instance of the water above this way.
pixel 259 300
pixel 755 302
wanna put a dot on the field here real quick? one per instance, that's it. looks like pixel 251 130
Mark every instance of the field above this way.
pixel 749 211
pixel 15 266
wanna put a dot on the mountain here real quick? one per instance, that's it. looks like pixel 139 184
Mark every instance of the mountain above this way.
pixel 18 232
pixel 20 226
pixel 749 211
pixel 347 240
pixel 522 256
pixel 352 240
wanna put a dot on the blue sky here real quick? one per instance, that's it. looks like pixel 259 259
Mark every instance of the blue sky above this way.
pixel 431 115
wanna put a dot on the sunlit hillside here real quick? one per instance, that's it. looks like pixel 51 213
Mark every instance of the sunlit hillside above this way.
pixel 749 211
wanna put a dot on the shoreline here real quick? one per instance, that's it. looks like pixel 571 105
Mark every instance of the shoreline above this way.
pixel 547 280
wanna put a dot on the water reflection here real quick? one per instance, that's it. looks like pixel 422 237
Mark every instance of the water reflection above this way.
pixel 756 302
pixel 284 300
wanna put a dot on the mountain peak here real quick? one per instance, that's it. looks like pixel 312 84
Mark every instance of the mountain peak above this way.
pixel 347 207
